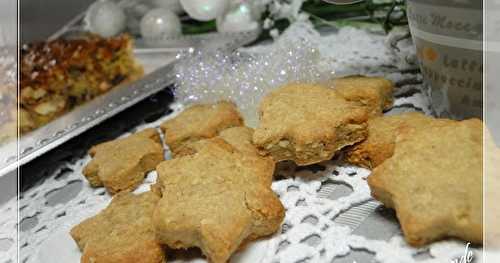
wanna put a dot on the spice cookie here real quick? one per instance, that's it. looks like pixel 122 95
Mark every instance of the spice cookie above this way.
pixel 434 181
pixel 241 139
pixel 216 199
pixel 375 93
pixel 122 164
pixel 123 232
pixel 308 123
pixel 382 133
pixel 198 122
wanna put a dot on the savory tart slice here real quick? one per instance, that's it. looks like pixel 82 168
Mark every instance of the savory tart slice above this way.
pixel 58 75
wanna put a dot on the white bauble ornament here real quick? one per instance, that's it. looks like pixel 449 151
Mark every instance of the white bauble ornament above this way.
pixel 135 12
pixel 172 5
pixel 205 10
pixel 105 18
pixel 240 17
pixel 160 23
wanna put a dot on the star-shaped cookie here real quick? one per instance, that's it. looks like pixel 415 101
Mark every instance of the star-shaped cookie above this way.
pixel 375 93
pixel 123 232
pixel 434 182
pixel 382 133
pixel 308 123
pixel 122 164
pixel 216 199
pixel 241 139
pixel 202 121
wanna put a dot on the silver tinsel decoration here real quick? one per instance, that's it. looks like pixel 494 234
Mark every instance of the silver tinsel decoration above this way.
pixel 243 77
pixel 8 88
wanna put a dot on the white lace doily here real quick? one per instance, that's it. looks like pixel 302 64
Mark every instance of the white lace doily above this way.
pixel 330 215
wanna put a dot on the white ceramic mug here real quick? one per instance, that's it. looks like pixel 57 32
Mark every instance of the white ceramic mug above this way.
pixel 448 35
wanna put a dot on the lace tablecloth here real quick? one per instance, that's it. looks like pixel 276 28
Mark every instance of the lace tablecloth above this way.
pixel 330 216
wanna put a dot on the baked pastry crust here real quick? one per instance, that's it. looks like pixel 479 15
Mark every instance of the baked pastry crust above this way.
pixel 382 133
pixel 434 181
pixel 308 123
pixel 123 232
pixel 202 121
pixel 375 93
pixel 122 164
pixel 58 75
pixel 216 198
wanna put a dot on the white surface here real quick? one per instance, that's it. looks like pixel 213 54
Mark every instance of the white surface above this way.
pixel 8 186
pixel 59 248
